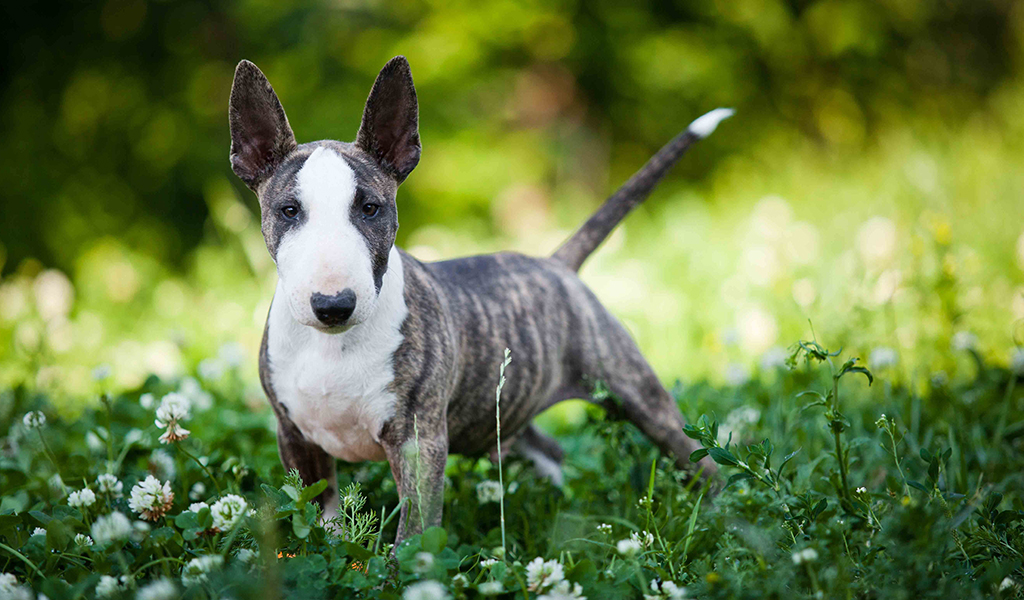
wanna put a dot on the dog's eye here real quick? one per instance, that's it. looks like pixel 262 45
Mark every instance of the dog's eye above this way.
pixel 290 212
pixel 370 210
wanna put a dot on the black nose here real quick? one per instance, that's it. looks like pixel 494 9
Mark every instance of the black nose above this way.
pixel 334 310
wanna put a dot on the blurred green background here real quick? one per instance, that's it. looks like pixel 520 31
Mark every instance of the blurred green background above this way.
pixel 871 181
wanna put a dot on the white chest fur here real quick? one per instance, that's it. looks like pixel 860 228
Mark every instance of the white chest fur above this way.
pixel 336 387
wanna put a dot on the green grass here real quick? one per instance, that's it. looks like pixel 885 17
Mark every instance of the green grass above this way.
pixel 931 506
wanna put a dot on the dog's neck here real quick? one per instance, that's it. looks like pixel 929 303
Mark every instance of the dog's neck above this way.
pixel 386 319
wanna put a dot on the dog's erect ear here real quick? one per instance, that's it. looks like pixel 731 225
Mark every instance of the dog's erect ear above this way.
pixel 260 134
pixel 390 128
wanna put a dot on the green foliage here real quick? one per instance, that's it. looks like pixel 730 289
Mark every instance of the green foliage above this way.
pixel 931 506
pixel 865 180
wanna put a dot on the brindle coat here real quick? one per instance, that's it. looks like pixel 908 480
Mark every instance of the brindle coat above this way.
pixel 462 313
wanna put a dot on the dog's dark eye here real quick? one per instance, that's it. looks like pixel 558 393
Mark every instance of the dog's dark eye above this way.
pixel 290 212
pixel 370 210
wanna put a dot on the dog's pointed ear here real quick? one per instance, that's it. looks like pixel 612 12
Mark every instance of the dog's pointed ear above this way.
pixel 390 128
pixel 260 134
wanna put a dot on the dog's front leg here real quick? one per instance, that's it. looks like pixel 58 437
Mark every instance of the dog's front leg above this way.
pixel 417 449
pixel 312 463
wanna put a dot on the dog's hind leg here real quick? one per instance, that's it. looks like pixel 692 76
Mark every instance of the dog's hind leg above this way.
pixel 543 450
pixel 649 406
pixel 617 362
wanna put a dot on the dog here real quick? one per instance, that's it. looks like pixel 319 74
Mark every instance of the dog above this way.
pixel 369 354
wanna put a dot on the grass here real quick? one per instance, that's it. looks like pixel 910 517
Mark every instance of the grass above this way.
pixel 832 488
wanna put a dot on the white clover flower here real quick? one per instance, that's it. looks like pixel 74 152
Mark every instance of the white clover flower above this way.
pixel 488 491
pixel 422 562
pixel 227 511
pixel 862 490
pixel 805 556
pixel 628 548
pixel 191 389
pixel 108 484
pixel 604 528
pixel 34 419
pixel 739 421
pixel 644 539
pixel 487 563
pixel 198 490
pixel 673 591
pixel 232 354
pixel 38 531
pixel 112 527
pixel 1007 584
pixel 162 464
pixel 139 530
pixel 94 442
pixel 541 575
pixel 490 588
pixel 134 436
pixel 56 484
pixel 81 498
pixel 563 590
pixel 197 506
pixel 198 569
pixel 883 358
pixel 147 401
pixel 83 540
pixel 665 590
pixel 151 498
pixel 964 340
pixel 7 581
pixel 161 589
pixel 247 556
pixel 108 586
pixel 210 369
pixel 425 590
pixel 10 590
pixel 173 409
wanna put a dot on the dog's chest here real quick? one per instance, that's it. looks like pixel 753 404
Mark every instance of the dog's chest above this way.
pixel 337 388
pixel 338 400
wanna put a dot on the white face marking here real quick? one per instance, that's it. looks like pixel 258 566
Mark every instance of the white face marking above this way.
pixel 326 254
pixel 336 386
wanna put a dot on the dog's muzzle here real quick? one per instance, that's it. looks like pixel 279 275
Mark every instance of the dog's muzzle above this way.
pixel 334 310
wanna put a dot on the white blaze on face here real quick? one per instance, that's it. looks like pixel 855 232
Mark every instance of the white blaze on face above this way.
pixel 326 253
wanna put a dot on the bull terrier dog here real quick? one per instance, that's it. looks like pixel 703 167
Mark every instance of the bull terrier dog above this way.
pixel 371 354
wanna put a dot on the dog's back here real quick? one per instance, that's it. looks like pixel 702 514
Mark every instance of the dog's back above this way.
pixel 480 305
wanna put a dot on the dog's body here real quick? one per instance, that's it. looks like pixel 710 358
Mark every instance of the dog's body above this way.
pixel 370 354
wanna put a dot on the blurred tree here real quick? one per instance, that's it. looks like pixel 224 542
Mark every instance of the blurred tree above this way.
pixel 114 113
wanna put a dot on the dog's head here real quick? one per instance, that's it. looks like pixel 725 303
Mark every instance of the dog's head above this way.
pixel 328 208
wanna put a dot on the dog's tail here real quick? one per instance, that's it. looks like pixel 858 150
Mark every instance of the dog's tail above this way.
pixel 587 238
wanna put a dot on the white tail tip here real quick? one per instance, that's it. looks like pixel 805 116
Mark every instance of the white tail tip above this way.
pixel 704 125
